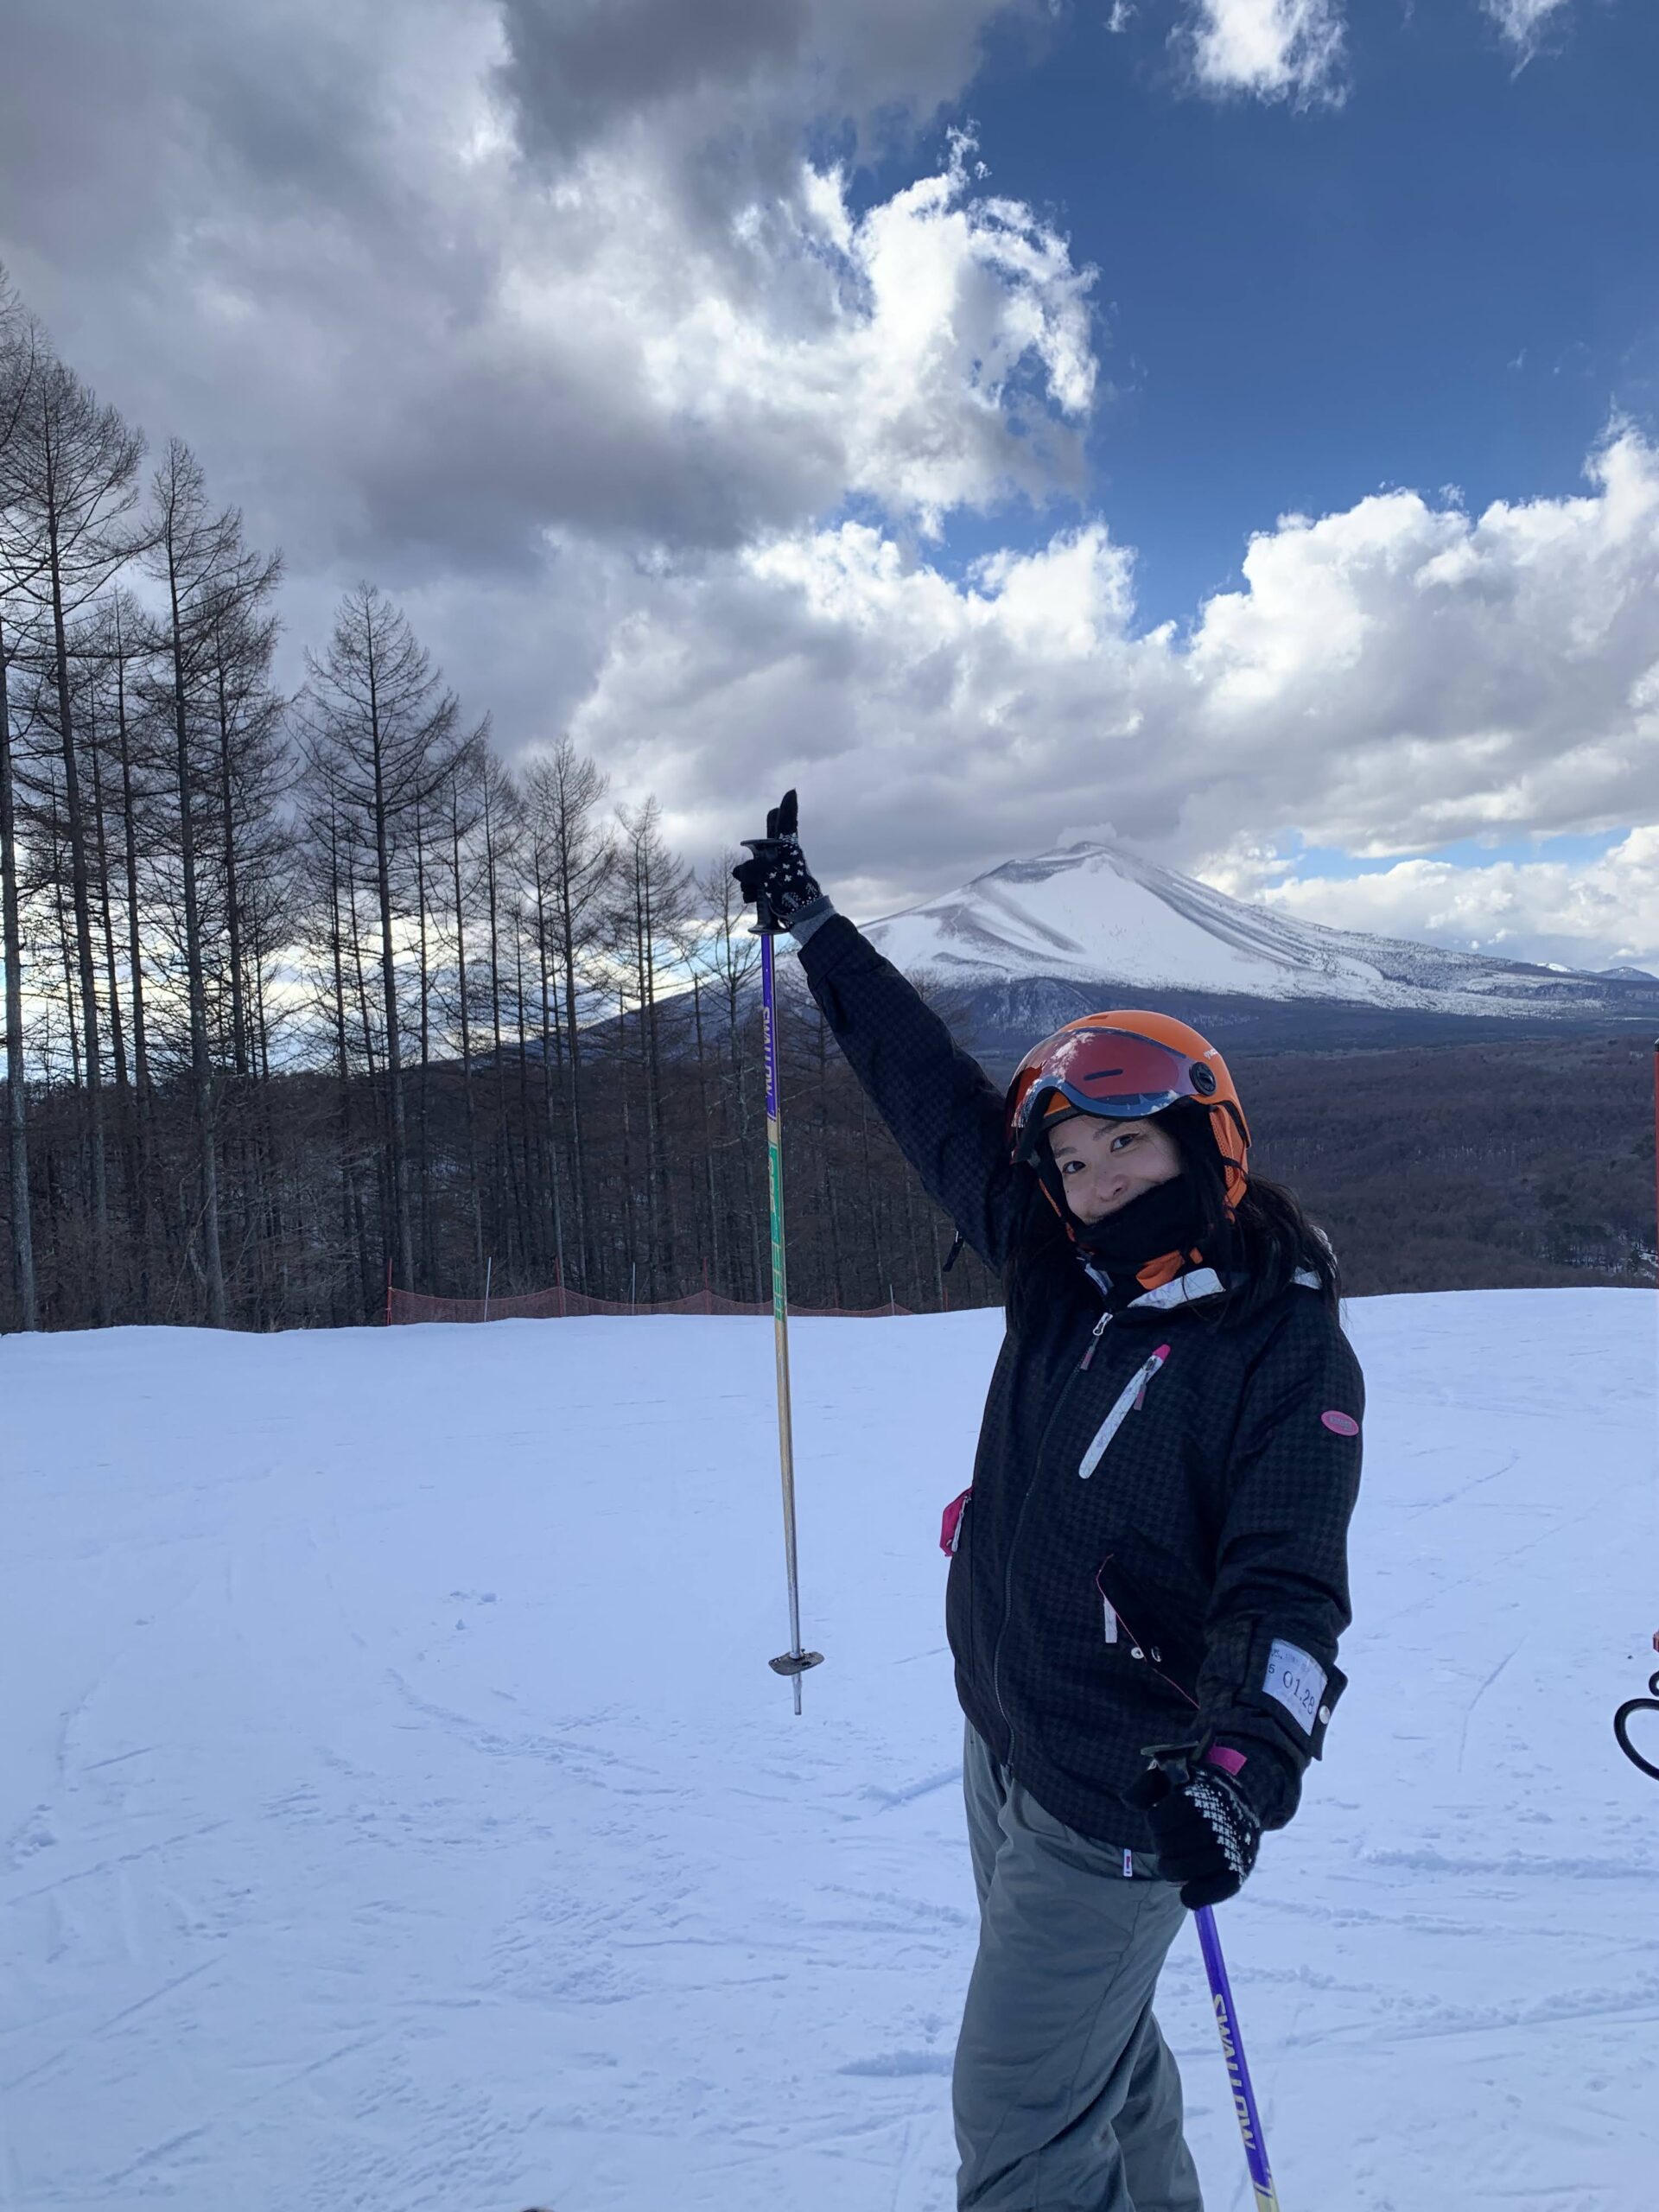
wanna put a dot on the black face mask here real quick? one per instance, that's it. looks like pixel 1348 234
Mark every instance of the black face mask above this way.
pixel 1169 1217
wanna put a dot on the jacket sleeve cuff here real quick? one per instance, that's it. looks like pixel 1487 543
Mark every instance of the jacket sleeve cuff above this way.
pixel 813 916
pixel 1269 1783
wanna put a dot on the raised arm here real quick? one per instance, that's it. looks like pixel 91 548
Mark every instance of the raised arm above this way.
pixel 944 1113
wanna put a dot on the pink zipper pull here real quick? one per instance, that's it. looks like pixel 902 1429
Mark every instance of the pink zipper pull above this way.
pixel 1147 1372
pixel 1094 1340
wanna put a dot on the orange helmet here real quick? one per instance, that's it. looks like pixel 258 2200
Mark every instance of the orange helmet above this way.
pixel 1127 1064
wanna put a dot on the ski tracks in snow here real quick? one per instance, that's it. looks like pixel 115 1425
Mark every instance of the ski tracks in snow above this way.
pixel 400 1814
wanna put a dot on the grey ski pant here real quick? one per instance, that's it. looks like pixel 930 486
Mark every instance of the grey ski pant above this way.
pixel 1067 2096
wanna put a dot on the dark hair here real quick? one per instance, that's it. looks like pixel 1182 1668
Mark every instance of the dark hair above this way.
pixel 1269 1241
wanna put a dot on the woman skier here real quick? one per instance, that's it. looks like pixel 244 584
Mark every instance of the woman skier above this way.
pixel 1148 1574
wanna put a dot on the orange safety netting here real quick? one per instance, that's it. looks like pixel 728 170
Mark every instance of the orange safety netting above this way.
pixel 555 1305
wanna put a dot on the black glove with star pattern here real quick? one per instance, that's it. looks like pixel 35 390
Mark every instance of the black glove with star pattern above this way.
pixel 1204 1833
pixel 776 879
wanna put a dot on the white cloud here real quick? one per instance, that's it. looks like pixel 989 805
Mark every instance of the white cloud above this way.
pixel 1388 678
pixel 1273 49
pixel 1602 913
pixel 539 313
pixel 1434 675
pixel 929 721
pixel 937 339
pixel 1524 21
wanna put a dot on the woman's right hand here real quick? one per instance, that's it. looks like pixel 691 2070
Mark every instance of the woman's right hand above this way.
pixel 776 879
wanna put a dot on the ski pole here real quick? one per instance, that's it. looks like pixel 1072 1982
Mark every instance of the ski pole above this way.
pixel 1250 2120
pixel 794 1661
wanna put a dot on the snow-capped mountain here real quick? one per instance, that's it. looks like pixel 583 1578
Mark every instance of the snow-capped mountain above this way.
pixel 1089 924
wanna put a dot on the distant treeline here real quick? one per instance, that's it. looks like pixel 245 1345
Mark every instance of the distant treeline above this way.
pixel 668 1192
pixel 298 987
pixel 1526 1162
pixel 301 988
pixel 1523 1161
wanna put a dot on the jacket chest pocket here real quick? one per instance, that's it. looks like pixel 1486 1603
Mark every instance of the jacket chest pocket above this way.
pixel 1129 1400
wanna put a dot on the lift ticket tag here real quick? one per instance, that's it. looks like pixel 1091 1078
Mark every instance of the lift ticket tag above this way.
pixel 1296 1680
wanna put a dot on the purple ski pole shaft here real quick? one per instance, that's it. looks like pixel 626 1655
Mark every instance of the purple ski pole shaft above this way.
pixel 1238 2073
pixel 795 1662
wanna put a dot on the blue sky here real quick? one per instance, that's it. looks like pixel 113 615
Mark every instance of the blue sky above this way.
pixel 1449 278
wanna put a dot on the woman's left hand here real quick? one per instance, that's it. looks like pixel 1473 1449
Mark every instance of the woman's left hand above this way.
pixel 1204 1833
pixel 776 876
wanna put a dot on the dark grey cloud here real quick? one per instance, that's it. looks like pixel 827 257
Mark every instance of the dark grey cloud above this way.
pixel 454 296
pixel 745 74
pixel 576 66
pixel 304 235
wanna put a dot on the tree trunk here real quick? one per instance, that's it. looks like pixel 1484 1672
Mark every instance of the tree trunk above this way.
pixel 389 988
pixel 422 1093
pixel 530 1242
pixel 708 1132
pixel 82 909
pixel 202 1070
pixel 573 1071
pixel 342 1055
pixel 118 1042
pixel 22 1228
pixel 142 1103
pixel 467 1045
pixel 66 954
pixel 232 904
pixel 552 1043
pixel 508 1181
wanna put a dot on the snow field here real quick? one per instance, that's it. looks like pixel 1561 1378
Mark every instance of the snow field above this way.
pixel 397 1811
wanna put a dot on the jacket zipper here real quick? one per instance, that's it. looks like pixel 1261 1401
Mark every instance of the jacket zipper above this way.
pixel 1098 1332
pixel 1129 1400
pixel 1095 1336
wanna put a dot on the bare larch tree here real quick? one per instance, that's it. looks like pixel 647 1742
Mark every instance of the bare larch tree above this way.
pixel 382 738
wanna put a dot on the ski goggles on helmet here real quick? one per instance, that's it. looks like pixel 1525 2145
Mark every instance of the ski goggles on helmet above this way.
pixel 1099 1071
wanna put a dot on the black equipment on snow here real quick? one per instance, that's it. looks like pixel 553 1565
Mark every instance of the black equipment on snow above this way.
pixel 1622 1723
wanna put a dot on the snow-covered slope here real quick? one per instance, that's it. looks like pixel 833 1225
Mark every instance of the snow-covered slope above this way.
pixel 1097 915
pixel 397 1811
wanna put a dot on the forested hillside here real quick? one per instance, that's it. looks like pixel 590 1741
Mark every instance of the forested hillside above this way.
pixel 306 990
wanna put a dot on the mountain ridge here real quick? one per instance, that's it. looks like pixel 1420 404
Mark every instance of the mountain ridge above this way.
pixel 1085 923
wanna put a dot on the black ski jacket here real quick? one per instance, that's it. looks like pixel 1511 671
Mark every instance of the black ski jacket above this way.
pixel 1154 1545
